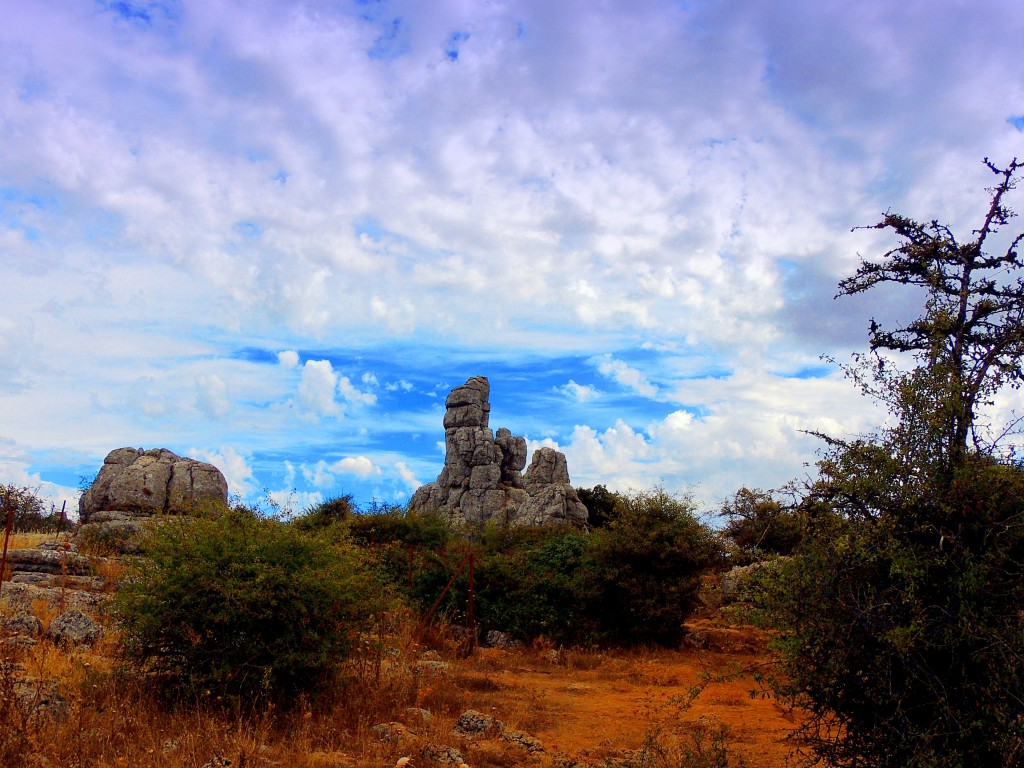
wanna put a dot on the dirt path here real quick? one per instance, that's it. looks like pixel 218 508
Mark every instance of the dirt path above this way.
pixel 591 706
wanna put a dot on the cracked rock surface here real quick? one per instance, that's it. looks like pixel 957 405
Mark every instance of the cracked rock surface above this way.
pixel 482 479
pixel 134 482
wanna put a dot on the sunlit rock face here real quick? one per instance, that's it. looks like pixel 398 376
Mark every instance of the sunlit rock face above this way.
pixel 482 479
pixel 135 485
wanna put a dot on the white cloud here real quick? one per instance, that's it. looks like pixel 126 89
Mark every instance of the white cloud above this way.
pixel 353 395
pixel 629 377
pixel 360 466
pixel 316 389
pixel 288 358
pixel 319 474
pixel 234 466
pixel 401 384
pixel 582 393
pixel 407 475
pixel 212 396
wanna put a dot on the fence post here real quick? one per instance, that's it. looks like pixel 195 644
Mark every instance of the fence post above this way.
pixel 472 622
pixel 7 536
pixel 60 520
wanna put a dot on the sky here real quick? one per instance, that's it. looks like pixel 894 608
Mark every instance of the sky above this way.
pixel 273 235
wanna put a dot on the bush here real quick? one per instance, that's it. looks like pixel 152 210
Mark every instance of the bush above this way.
pixel 241 605
pixel 326 513
pixel 533 582
pixel 647 565
pixel 904 641
pixel 30 513
pixel 759 525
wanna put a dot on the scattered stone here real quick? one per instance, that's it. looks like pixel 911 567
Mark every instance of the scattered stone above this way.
pixel 392 733
pixel 419 715
pixel 218 762
pixel 24 596
pixel 436 668
pixel 430 655
pixel 38 698
pixel 19 642
pixel 48 561
pixel 22 624
pixel 524 740
pixel 496 639
pixel 474 725
pixel 74 628
pixel 482 477
pixel 53 581
pixel 436 753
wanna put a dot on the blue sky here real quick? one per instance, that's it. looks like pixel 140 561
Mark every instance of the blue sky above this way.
pixel 273 235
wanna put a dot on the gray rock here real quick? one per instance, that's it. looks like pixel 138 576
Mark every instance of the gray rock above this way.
pixel 530 743
pixel 419 715
pixel 139 483
pixel 23 596
pixel 475 725
pixel 74 628
pixel 50 561
pixel 40 699
pixel 482 478
pixel 391 733
pixel 23 624
pixel 502 640
pixel 442 755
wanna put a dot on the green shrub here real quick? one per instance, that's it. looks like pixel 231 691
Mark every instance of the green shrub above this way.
pixel 236 604
pixel 533 582
pixel 326 513
pixel 759 525
pixel 646 568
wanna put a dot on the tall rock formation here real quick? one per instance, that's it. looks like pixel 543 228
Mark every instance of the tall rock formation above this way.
pixel 482 478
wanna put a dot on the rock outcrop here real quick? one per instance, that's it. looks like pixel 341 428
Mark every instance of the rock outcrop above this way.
pixel 482 479
pixel 135 484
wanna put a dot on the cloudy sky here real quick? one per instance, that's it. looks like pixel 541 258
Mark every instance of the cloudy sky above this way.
pixel 274 234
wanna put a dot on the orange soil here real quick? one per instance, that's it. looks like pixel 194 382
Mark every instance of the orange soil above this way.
pixel 591 706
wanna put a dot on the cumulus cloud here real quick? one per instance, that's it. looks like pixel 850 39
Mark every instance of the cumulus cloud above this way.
pixel 316 389
pixel 629 377
pixel 234 465
pixel 360 466
pixel 407 475
pixel 545 190
pixel 353 395
pixel 581 392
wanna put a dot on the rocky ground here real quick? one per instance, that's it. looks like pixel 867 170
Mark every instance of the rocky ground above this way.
pixel 430 704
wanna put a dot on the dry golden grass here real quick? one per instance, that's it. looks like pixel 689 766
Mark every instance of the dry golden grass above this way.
pixel 29 540
pixel 588 708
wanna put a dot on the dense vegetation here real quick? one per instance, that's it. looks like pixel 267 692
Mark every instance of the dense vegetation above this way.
pixel 232 603
pixel 903 629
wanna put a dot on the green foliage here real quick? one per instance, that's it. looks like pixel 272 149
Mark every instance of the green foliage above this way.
pixel 647 565
pixel 758 524
pixel 902 631
pixel 238 604
pixel 30 512
pixel 326 513
pixel 533 582
pixel 600 503
pixel 631 582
